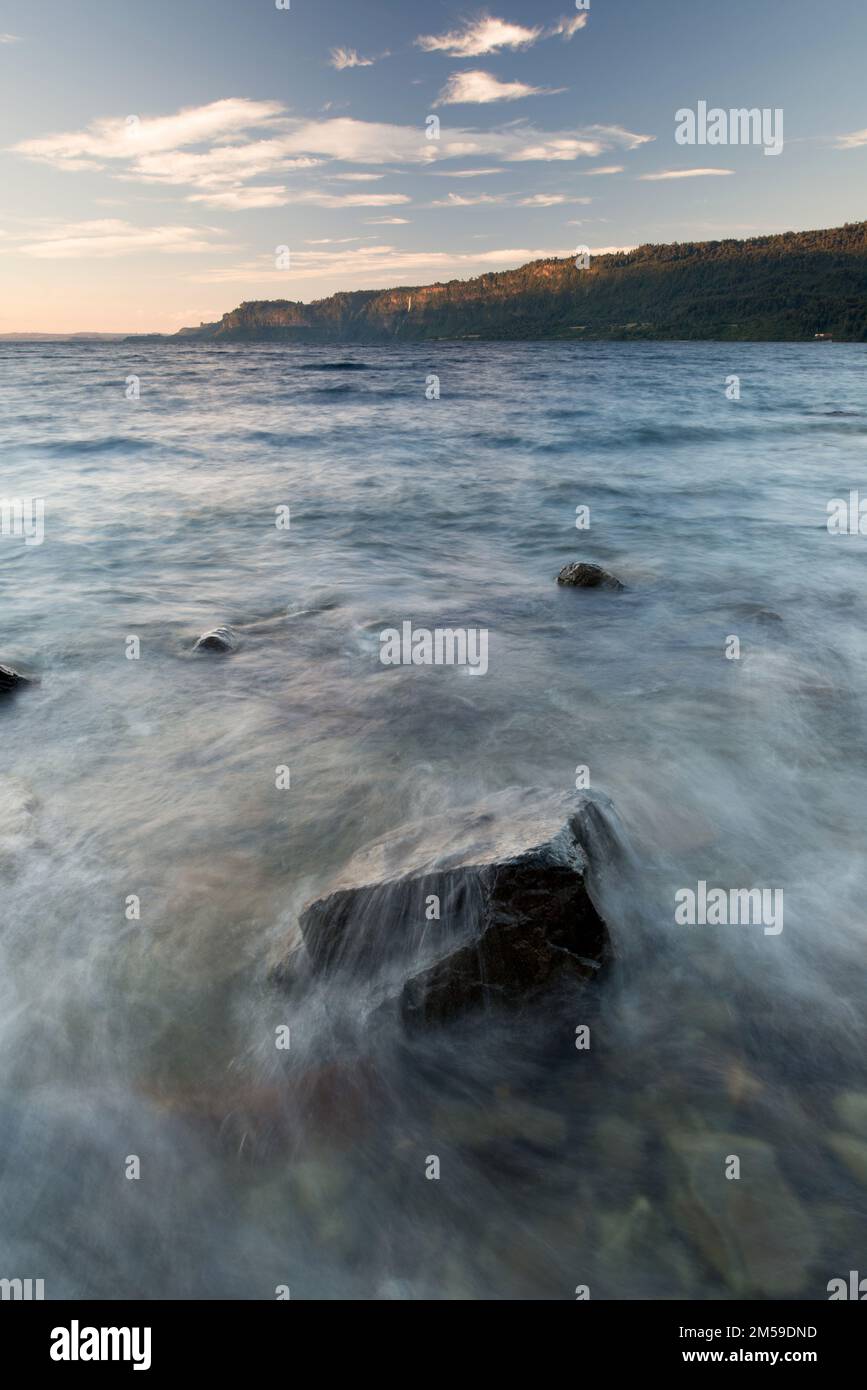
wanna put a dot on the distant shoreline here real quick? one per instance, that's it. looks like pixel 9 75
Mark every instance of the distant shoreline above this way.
pixel 791 287
pixel 481 340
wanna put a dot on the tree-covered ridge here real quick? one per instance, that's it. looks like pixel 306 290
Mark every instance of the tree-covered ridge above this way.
pixel 786 287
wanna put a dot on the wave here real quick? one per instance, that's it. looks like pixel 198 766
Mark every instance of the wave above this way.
pixel 72 448
pixel 335 367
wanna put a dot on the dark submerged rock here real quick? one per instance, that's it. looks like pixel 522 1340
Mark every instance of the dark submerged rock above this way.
pixel 579 575
pixel 11 680
pixel 220 639
pixel 516 918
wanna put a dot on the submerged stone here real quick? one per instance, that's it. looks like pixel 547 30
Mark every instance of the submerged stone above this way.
pixel 752 1229
pixel 851 1109
pixel 852 1153
pixel 579 575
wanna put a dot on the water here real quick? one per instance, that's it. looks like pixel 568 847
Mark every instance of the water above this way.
pixel 156 777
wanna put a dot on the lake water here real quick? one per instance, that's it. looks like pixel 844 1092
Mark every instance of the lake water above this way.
pixel 155 777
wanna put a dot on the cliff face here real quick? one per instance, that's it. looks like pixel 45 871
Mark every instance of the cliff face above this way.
pixel 786 287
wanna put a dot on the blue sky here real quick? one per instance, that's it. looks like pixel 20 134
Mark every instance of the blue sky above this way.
pixel 155 153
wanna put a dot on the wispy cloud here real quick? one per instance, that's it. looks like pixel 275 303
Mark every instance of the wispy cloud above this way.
pixel 219 151
pixel 854 141
pixel 549 200
pixel 568 26
pixel 486 34
pixel 481 88
pixel 111 237
pixel 478 36
pixel 464 173
pixel 221 166
pixel 377 265
pixel 608 169
pixel 316 198
pixel 388 222
pixel 685 174
pixel 473 200
pixel 610 250
pixel 241 199
pixel 341 58
pixel 133 137
pixel 536 200
pixel 10 38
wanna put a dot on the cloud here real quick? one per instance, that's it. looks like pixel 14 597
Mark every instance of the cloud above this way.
pixel 609 169
pixel 223 165
pixel 132 137
pixel 241 199
pixel 549 200
pixel 218 151
pixel 314 198
pixel 489 35
pixel 617 135
pixel 383 264
pixel 464 173
pixel 565 28
pixel 684 174
pixel 457 200
pixel 854 141
pixel 9 38
pixel 478 36
pixel 519 143
pixel 536 200
pixel 481 88
pixel 348 58
pixel 112 237
pixel 388 222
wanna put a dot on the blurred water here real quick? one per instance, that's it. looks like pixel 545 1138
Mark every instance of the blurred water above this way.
pixel 156 777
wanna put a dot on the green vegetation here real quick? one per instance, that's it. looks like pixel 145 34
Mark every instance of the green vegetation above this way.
pixel 773 288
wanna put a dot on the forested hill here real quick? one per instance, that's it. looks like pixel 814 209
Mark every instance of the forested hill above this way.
pixel 788 287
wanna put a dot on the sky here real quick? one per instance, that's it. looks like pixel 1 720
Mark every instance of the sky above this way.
pixel 155 155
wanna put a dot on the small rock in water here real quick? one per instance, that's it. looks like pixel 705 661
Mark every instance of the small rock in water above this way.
pixel 582 576
pixel 220 639
pixel 11 680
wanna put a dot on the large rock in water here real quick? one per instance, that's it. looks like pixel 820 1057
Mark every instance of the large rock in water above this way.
pixel 11 680
pixel 515 914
